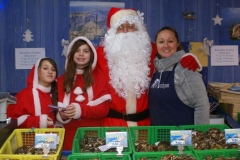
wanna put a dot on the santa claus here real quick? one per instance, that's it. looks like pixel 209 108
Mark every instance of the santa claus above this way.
pixel 127 60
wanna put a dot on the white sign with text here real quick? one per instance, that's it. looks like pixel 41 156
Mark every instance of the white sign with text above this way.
pixel 25 58
pixel 224 55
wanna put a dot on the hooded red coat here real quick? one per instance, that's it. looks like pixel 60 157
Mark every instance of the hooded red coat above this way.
pixel 91 106
pixel 31 109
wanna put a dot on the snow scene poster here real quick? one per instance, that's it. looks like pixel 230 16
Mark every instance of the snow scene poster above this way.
pixel 89 19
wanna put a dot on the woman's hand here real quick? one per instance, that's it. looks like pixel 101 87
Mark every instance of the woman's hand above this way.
pixel 68 113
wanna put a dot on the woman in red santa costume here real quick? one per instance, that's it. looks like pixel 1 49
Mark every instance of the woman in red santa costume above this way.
pixel 31 109
pixel 82 90
pixel 127 61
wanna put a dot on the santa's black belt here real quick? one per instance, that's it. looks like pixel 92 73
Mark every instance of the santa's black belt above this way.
pixel 129 117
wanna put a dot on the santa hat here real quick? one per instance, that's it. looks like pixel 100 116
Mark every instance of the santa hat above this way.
pixel 116 14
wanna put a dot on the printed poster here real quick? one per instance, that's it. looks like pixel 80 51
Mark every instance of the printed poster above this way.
pixel 224 55
pixel 25 58
pixel 89 19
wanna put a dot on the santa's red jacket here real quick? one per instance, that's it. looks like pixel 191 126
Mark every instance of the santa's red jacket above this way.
pixel 118 104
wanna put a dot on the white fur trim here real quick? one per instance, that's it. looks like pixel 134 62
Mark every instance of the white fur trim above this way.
pixel 66 99
pixel 44 89
pixel 36 100
pixel 89 43
pixel 35 76
pixel 78 90
pixel 78 111
pixel 118 15
pixel 130 123
pixel 79 71
pixel 90 93
pixel 100 100
pixel 131 103
pixel 79 98
pixel 37 104
pixel 195 57
pixel 21 119
pixel 43 121
pixel 60 119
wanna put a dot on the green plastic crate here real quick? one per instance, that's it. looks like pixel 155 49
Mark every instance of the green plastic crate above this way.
pixel 100 157
pixel 99 132
pixel 157 155
pixel 217 153
pixel 152 134
pixel 204 128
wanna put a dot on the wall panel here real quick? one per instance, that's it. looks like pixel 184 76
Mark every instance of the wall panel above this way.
pixel 49 23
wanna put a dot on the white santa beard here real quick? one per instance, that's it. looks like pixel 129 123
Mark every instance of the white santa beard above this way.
pixel 128 56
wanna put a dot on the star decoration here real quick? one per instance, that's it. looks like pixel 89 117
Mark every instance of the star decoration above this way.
pixel 188 37
pixel 217 20
pixel 189 47
pixel 190 29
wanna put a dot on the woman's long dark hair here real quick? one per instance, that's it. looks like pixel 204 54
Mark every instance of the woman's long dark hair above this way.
pixel 70 72
pixel 54 90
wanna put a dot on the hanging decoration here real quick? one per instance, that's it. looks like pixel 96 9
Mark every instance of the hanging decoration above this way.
pixel 28 34
pixel 217 19
pixel 190 29
pixel 188 37
pixel 65 44
pixel 234 31
pixel 205 46
pixel 189 15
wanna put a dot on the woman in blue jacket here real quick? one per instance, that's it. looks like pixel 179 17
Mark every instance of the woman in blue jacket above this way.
pixel 177 96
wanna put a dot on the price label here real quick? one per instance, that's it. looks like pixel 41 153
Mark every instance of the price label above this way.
pixel 232 136
pixel 181 138
pixel 115 139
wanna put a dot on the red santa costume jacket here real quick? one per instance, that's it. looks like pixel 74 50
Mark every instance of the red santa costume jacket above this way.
pixel 119 103
pixel 131 110
pixel 91 106
pixel 31 109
